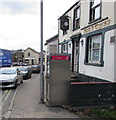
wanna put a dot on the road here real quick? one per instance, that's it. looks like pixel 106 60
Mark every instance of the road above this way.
pixel 6 98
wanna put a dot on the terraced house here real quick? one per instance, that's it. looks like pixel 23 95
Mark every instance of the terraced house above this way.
pixel 87 31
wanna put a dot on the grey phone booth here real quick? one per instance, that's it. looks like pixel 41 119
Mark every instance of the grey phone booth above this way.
pixel 57 79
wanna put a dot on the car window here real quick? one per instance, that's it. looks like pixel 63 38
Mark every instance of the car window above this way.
pixel 23 69
pixel 8 71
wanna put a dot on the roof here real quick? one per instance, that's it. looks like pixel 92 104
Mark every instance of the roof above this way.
pixel 69 9
pixel 32 50
pixel 65 41
pixel 16 51
pixel 4 49
pixel 54 38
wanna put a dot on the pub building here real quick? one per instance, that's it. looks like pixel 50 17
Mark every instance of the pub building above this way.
pixel 87 32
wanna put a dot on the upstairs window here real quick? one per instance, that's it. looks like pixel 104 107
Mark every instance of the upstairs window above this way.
pixel 76 24
pixel 29 54
pixel 95 10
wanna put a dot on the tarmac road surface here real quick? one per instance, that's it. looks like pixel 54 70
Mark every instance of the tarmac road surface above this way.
pixel 6 97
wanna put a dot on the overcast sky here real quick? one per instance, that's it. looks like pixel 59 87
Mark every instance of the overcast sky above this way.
pixel 20 22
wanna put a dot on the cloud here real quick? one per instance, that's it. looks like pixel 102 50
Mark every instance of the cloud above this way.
pixel 5 10
pixel 18 0
pixel 19 31
pixel 13 8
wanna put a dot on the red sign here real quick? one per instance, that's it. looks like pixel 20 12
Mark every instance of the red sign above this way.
pixel 60 58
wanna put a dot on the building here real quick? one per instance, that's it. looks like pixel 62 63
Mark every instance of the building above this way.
pixel 17 56
pixel 31 56
pixel 52 45
pixel 87 31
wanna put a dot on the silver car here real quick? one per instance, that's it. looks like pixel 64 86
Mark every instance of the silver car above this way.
pixel 10 77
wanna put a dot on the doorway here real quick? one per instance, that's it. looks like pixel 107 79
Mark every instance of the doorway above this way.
pixel 75 55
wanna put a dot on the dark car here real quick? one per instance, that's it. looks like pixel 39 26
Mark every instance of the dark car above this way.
pixel 35 68
pixel 26 72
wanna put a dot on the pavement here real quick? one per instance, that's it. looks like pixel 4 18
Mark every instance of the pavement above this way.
pixel 26 103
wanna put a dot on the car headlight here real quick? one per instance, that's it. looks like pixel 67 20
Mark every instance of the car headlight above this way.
pixel 11 80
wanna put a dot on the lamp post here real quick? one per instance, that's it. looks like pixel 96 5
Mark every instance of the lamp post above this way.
pixel 41 55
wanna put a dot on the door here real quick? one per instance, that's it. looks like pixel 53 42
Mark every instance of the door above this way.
pixel 75 56
pixel 32 62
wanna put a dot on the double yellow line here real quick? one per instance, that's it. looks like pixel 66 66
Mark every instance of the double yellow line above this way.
pixel 7 93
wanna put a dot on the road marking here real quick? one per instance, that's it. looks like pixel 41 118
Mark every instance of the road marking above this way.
pixel 5 99
pixel 8 114
pixel 4 94
pixel 7 95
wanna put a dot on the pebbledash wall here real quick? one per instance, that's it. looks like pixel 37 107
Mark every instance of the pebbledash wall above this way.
pixel 99 34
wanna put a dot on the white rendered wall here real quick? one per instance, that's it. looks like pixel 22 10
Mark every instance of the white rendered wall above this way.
pixel 107 71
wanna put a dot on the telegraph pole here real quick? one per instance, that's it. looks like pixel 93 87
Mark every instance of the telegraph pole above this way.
pixel 41 56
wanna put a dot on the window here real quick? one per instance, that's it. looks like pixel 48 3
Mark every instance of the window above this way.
pixel 76 24
pixel 28 54
pixel 64 48
pixel 64 32
pixel 95 10
pixel 94 49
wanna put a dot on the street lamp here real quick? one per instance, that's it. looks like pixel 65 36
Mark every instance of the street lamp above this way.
pixel 41 56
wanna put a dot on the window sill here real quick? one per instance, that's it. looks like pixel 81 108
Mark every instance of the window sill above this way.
pixel 93 21
pixel 101 64
pixel 74 29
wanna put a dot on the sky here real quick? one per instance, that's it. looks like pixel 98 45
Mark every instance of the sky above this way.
pixel 20 22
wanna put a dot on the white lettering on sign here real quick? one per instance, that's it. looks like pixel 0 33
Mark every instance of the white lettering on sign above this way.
pixel 5 60
pixel 1 54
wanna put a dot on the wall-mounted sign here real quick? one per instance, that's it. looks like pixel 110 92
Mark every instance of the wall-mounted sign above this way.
pixel 60 57
pixel 96 26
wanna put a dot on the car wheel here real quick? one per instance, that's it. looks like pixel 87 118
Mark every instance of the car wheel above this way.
pixel 15 85
pixel 30 76
pixel 21 81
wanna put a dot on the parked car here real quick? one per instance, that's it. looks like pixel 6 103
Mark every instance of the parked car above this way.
pixel 35 68
pixel 10 77
pixel 26 71
pixel 14 64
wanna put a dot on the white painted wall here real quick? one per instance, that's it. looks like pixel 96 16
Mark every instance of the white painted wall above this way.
pixel 70 47
pixel 106 72
pixel 32 55
pixel 107 11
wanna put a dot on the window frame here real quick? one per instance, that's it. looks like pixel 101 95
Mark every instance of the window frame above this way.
pixel 75 20
pixel 94 63
pixel 64 48
pixel 91 51
pixel 91 15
